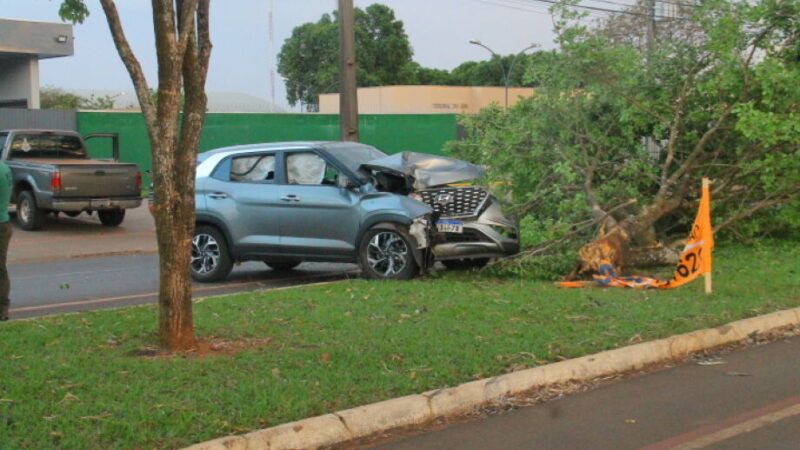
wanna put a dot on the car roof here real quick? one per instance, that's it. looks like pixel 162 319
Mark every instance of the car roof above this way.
pixel 322 146
pixel 39 131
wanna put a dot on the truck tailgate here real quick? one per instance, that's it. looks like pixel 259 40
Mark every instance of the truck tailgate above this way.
pixel 98 180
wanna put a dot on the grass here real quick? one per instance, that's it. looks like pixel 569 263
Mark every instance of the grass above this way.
pixel 75 381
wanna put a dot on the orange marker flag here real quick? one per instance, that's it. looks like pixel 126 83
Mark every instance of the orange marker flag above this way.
pixel 696 256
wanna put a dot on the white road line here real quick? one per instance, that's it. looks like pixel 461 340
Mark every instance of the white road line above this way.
pixel 97 301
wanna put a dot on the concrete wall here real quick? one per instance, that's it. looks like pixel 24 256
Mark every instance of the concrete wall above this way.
pixel 425 99
pixel 19 80
pixel 390 133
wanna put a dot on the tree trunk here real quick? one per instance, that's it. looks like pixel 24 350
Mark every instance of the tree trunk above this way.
pixel 614 245
pixel 183 48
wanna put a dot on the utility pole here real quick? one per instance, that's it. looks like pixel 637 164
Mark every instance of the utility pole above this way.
pixel 650 34
pixel 348 95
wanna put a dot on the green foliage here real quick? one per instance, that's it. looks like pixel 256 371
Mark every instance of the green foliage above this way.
pixel 74 11
pixel 57 98
pixel 309 59
pixel 723 104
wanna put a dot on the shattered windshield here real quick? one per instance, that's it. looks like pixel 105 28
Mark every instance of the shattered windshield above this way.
pixel 353 156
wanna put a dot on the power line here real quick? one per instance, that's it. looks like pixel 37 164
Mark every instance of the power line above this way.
pixel 615 11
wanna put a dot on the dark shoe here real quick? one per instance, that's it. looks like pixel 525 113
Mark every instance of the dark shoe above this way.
pixel 4 311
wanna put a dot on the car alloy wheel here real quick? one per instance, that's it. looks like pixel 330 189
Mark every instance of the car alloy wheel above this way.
pixel 387 254
pixel 205 254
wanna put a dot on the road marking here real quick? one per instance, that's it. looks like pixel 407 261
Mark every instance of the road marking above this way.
pixel 98 301
pixel 744 423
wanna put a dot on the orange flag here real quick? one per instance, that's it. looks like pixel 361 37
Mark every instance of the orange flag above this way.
pixel 696 256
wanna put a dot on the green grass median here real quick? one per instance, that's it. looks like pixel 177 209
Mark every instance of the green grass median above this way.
pixel 90 380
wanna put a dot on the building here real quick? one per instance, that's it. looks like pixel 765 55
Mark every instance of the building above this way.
pixel 425 99
pixel 22 44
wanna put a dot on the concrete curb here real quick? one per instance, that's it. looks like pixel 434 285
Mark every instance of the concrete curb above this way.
pixel 342 426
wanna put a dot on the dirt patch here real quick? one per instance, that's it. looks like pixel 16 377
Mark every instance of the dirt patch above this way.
pixel 208 347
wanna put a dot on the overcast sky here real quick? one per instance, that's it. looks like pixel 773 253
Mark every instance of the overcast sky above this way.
pixel 242 58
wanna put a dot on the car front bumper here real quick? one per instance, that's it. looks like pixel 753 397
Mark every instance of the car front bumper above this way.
pixel 490 235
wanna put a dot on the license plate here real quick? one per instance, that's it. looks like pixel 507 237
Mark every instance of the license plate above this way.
pixel 450 226
pixel 101 203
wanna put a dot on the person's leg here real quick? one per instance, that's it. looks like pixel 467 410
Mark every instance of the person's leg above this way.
pixel 5 283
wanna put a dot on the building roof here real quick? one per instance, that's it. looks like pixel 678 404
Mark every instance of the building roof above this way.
pixel 43 39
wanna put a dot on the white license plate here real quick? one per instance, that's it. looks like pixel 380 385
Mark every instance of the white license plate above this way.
pixel 450 226
pixel 101 203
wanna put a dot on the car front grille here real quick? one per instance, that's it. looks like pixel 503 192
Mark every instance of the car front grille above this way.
pixel 465 201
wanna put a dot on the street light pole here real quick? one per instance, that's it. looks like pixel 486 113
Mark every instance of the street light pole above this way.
pixel 506 74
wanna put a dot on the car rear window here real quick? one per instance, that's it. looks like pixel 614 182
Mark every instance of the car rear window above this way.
pixel 47 146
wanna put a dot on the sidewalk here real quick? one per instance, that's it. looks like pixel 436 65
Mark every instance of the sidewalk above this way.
pixel 65 238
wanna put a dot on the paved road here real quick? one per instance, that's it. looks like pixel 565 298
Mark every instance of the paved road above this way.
pixel 90 283
pixel 752 401
pixel 76 264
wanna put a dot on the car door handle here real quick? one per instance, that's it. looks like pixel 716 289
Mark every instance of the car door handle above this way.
pixel 218 195
pixel 290 198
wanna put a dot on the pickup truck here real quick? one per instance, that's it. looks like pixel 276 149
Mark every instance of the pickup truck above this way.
pixel 52 173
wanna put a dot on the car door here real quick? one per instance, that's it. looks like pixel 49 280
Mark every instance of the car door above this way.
pixel 319 219
pixel 242 191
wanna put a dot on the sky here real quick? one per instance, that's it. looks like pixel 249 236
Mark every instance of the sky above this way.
pixel 243 56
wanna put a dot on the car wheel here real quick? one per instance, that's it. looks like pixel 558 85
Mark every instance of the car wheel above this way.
pixel 211 260
pixel 282 266
pixel 111 217
pixel 386 254
pixel 72 213
pixel 29 216
pixel 463 264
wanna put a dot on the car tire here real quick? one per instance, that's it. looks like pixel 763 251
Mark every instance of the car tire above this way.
pixel 464 264
pixel 210 259
pixel 111 217
pixel 29 216
pixel 386 253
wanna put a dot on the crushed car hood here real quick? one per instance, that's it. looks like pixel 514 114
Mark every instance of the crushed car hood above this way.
pixel 427 170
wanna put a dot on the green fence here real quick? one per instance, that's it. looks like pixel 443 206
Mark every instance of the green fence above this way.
pixel 389 132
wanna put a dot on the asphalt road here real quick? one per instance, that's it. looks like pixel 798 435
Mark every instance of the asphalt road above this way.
pixel 90 283
pixel 76 264
pixel 748 399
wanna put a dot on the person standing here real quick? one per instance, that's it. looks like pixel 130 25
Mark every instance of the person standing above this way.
pixel 5 236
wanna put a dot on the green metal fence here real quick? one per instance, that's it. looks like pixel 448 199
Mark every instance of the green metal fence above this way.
pixel 389 132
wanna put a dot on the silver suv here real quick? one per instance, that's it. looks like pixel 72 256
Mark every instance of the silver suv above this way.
pixel 285 203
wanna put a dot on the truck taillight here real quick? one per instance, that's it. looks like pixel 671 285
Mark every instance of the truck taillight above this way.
pixel 55 181
pixel 138 180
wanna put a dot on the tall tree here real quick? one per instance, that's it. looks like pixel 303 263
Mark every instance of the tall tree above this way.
pixel 57 98
pixel 183 47
pixel 309 59
pixel 614 122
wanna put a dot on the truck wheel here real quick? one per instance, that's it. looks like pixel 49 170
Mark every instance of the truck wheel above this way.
pixel 386 254
pixel 211 260
pixel 111 217
pixel 29 216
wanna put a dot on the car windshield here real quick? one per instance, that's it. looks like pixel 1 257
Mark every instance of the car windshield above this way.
pixel 353 156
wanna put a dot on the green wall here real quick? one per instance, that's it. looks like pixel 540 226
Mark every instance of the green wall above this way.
pixel 391 133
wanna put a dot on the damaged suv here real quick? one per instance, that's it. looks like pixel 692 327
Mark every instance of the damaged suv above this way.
pixel 285 203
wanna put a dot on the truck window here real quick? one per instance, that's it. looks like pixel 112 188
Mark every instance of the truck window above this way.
pixel 46 146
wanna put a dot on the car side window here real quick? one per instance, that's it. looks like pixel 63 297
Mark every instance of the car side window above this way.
pixel 309 168
pixel 253 168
